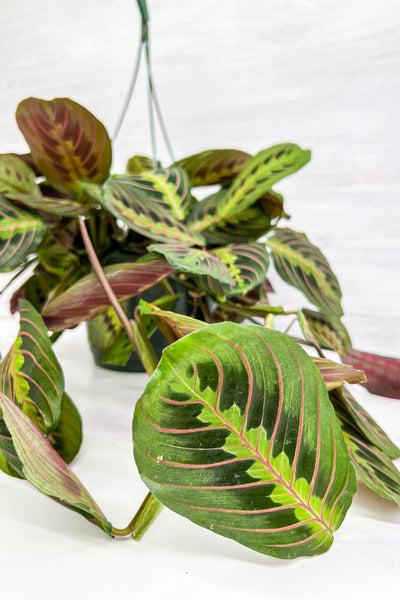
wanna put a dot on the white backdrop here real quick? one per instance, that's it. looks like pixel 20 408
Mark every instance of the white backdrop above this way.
pixel 321 73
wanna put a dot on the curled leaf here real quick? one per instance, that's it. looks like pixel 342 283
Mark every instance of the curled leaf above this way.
pixel 45 469
pixel 383 372
pixel 335 375
pixel 86 298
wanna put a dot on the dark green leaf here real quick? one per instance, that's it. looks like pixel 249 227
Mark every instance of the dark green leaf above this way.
pixel 303 265
pixel 213 166
pixel 235 431
pixel 168 188
pixel 144 214
pixel 45 469
pixel 194 260
pixel 67 142
pixel 247 264
pixel 246 226
pixel 326 332
pixel 372 465
pixel 20 234
pixel 361 420
pixel 255 179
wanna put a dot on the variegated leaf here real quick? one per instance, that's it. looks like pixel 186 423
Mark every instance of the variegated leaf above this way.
pixel 361 420
pixel 67 142
pixel 86 298
pixel 246 226
pixel 66 438
pixel 325 331
pixel 194 260
pixel 169 188
pixel 254 180
pixel 20 234
pixel 335 375
pixel 142 213
pixel 235 431
pixel 247 264
pixel 16 177
pixel 30 374
pixel 63 207
pixel 372 465
pixel 303 265
pixel 213 166
pixel 383 372
pixel 45 469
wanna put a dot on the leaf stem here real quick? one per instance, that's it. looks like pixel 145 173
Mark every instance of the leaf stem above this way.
pixel 148 511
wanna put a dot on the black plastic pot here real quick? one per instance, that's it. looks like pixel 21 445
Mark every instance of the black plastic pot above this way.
pixel 182 305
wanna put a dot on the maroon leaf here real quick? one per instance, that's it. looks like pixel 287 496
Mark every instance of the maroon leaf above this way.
pixel 383 372
pixel 67 142
pixel 86 298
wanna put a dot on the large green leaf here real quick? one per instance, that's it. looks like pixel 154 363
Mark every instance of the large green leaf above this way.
pixel 303 265
pixel 194 260
pixel 86 298
pixel 247 264
pixel 20 234
pixel 372 465
pixel 361 420
pixel 16 177
pixel 246 226
pixel 45 469
pixel 213 166
pixel 254 180
pixel 325 331
pixel 169 188
pixel 66 438
pixel 67 142
pixel 236 432
pixel 143 214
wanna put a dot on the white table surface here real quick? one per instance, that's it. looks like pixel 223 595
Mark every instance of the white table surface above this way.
pixel 322 73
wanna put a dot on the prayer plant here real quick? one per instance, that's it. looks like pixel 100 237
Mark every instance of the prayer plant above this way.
pixel 238 428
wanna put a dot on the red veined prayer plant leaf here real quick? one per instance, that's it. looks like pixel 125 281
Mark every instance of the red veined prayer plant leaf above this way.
pixel 67 142
pixel 335 374
pixel 86 298
pixel 20 234
pixel 303 265
pixel 213 166
pixel 43 467
pixel 235 431
pixel 141 213
pixel 383 372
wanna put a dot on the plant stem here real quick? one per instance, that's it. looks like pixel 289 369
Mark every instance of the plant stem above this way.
pixel 144 517
pixel 98 269
pixel 150 507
